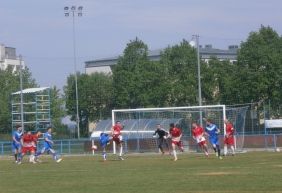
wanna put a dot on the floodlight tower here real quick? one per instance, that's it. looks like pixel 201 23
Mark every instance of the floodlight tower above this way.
pixel 74 12
pixel 195 43
pixel 21 94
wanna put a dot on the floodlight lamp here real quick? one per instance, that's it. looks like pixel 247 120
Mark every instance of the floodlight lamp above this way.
pixel 67 14
pixel 80 8
pixel 73 8
pixel 66 8
pixel 192 43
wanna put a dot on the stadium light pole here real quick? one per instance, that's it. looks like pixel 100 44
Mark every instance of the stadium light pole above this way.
pixel 74 11
pixel 197 45
pixel 21 93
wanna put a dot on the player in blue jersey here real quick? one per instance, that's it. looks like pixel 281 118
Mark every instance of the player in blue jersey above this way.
pixel 212 132
pixel 104 141
pixel 48 143
pixel 16 145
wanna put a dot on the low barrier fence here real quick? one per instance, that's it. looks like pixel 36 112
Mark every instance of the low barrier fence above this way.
pixel 140 145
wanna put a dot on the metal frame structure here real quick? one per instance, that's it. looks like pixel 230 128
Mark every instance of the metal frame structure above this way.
pixel 33 111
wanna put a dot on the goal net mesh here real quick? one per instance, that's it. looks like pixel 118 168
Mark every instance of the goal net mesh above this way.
pixel 140 124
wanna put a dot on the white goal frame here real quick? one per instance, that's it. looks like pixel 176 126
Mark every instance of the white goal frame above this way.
pixel 167 108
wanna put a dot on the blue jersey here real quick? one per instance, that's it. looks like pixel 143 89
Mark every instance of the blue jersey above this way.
pixel 212 130
pixel 47 144
pixel 16 145
pixel 104 139
pixel 17 136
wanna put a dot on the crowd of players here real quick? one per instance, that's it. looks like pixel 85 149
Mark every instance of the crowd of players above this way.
pixel 26 142
pixel 211 131
pixel 199 134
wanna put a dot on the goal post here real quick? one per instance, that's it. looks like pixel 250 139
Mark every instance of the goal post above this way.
pixel 140 124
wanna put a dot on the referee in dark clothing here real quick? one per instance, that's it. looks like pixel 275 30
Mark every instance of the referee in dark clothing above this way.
pixel 162 138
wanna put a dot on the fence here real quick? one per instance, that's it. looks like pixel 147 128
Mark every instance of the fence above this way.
pixel 140 145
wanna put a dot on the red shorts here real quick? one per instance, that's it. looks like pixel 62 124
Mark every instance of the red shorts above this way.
pixel 178 143
pixel 229 140
pixel 28 149
pixel 117 139
pixel 202 143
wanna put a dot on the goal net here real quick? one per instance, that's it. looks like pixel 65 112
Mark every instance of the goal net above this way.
pixel 140 124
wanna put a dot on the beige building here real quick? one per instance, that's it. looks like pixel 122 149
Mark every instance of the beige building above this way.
pixel 8 58
pixel 206 53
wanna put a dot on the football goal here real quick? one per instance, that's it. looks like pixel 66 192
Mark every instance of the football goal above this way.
pixel 140 124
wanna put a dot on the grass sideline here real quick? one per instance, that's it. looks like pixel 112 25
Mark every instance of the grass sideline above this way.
pixel 249 172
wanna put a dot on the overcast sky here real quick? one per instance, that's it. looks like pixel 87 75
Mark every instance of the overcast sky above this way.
pixel 41 33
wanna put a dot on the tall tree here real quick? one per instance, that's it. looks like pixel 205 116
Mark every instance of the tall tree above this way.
pixel 9 83
pixel 179 64
pixel 260 66
pixel 57 108
pixel 221 80
pixel 138 82
pixel 95 98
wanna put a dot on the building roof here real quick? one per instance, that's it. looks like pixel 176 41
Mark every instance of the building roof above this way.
pixel 31 90
pixel 206 52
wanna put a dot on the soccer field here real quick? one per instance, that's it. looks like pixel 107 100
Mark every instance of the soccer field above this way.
pixel 248 172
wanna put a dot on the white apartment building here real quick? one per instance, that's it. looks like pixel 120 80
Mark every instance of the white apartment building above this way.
pixel 206 53
pixel 8 58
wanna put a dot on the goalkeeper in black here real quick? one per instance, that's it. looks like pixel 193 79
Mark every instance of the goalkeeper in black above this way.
pixel 162 138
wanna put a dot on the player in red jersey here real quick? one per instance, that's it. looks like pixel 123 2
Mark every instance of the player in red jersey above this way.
pixel 28 146
pixel 35 143
pixel 175 134
pixel 229 137
pixel 198 134
pixel 117 137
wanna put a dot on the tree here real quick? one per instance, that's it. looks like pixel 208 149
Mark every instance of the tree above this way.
pixel 57 110
pixel 260 67
pixel 221 80
pixel 135 77
pixel 95 98
pixel 9 83
pixel 179 65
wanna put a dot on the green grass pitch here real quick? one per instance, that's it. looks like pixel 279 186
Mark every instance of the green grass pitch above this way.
pixel 248 172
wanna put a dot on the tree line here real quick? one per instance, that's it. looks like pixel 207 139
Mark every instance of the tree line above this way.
pixel 137 82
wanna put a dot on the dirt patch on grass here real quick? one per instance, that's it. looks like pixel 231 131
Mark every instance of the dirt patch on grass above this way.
pixel 218 173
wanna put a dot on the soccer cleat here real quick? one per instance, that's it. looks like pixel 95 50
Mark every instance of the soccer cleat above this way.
pixel 19 163
pixel 175 159
pixel 59 160
pixel 34 162
pixel 220 157
pixel 38 160
pixel 104 156
pixel 121 158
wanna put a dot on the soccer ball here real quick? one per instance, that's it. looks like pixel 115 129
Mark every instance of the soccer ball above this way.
pixel 94 147
pixel 277 149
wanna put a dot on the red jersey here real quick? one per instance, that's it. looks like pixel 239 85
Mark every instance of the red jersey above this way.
pixel 229 129
pixel 35 139
pixel 116 130
pixel 27 140
pixel 175 132
pixel 198 131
